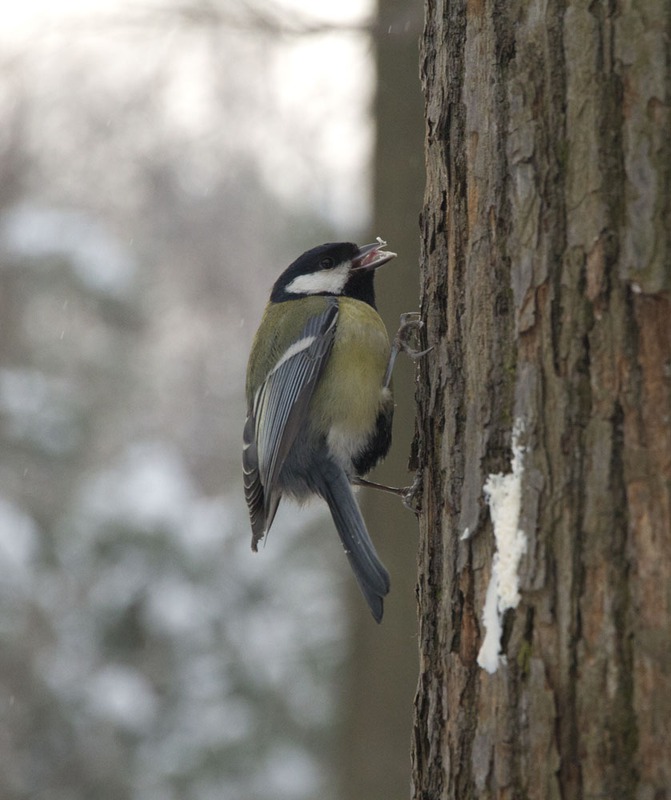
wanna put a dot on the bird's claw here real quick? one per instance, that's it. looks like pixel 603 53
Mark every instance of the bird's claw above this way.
pixel 411 496
pixel 410 326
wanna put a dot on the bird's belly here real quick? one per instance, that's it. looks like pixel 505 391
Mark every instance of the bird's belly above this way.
pixel 347 440
pixel 351 395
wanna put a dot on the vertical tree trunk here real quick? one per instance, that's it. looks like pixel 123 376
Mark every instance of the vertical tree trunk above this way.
pixel 546 278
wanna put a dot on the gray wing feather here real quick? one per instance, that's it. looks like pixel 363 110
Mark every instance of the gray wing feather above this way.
pixel 278 414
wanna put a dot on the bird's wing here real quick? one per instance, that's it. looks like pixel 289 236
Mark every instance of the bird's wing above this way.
pixel 279 412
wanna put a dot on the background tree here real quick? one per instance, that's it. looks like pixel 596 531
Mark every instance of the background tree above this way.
pixel 382 664
pixel 545 287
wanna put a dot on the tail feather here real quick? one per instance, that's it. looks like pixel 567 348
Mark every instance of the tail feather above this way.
pixel 370 573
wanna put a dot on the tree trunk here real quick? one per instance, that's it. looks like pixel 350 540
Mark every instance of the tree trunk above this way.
pixel 545 289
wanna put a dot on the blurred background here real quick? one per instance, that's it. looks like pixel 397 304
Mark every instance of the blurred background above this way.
pixel 161 161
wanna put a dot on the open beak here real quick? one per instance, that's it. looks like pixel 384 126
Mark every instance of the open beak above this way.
pixel 372 256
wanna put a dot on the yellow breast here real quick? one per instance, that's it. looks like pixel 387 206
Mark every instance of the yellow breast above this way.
pixel 350 395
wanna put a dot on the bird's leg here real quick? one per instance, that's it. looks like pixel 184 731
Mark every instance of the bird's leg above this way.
pixel 411 324
pixel 399 490
pixel 406 493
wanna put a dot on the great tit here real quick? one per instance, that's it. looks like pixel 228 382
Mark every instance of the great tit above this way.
pixel 319 403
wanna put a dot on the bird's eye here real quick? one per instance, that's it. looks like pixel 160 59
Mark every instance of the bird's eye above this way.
pixel 326 263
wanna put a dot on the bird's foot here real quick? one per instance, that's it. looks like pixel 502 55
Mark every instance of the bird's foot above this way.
pixel 408 494
pixel 408 333
pixel 412 498
pixel 405 341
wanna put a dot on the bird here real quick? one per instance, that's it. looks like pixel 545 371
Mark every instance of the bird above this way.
pixel 319 398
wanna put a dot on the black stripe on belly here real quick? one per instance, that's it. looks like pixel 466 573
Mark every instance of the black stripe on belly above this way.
pixel 378 445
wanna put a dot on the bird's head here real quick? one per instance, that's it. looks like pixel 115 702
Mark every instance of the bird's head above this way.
pixel 336 269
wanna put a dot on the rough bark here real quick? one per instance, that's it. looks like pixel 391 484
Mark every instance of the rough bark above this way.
pixel 546 291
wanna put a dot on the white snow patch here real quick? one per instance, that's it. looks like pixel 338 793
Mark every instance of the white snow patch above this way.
pixel 173 605
pixel 95 255
pixel 211 520
pixel 18 542
pixel 504 497
pixel 149 488
pixel 289 772
pixel 488 657
pixel 39 408
pixel 123 696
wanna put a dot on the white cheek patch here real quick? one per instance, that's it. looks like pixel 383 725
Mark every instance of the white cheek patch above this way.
pixel 331 281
